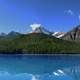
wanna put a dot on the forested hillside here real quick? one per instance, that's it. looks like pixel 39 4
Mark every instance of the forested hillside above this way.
pixel 37 43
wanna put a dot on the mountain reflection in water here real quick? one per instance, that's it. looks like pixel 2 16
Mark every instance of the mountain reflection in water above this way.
pixel 43 67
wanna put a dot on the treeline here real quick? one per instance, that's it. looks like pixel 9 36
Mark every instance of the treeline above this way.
pixel 37 43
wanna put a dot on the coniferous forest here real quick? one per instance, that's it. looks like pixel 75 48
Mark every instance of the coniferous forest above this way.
pixel 38 43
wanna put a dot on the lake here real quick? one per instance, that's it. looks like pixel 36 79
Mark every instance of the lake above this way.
pixel 39 67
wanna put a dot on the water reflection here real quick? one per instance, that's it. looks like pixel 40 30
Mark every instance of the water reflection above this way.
pixel 27 67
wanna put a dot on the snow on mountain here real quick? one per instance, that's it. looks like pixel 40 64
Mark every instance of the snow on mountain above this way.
pixel 58 34
pixel 37 28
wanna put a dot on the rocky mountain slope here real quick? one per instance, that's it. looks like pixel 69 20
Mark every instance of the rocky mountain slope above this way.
pixel 73 35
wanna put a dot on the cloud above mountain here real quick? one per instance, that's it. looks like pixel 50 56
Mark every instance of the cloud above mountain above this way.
pixel 34 26
pixel 72 13
pixel 69 12
pixel 79 17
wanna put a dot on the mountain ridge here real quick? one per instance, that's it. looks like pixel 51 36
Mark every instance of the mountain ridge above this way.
pixel 37 43
pixel 73 35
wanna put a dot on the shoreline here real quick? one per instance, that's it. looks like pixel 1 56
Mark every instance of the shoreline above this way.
pixel 39 54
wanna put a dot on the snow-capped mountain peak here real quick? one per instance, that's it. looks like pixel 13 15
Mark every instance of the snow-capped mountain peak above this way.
pixel 37 28
pixel 34 26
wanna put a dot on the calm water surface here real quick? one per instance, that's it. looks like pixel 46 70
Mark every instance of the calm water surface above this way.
pixel 31 67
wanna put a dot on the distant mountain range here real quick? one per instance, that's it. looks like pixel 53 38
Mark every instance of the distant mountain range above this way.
pixel 11 34
pixel 37 29
pixel 72 35
pixel 40 40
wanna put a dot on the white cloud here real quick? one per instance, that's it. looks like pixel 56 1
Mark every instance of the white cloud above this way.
pixel 69 12
pixel 79 17
pixel 34 26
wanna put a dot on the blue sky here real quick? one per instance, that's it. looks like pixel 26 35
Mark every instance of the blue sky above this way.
pixel 54 15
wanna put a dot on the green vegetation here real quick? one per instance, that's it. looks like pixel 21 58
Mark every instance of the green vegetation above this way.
pixel 38 43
